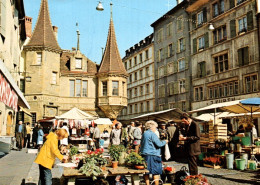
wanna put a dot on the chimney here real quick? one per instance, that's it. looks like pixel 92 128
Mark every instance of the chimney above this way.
pixel 55 30
pixel 28 26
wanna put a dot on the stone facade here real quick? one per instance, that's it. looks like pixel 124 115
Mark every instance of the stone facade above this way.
pixel 63 79
pixel 139 63
pixel 225 61
pixel 12 34
pixel 172 59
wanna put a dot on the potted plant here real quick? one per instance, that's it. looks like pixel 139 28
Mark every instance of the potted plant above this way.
pixel 134 159
pixel 97 157
pixel 73 150
pixel 115 152
pixel 90 169
pixel 195 179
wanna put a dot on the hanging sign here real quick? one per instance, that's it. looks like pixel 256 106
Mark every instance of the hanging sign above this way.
pixel 7 95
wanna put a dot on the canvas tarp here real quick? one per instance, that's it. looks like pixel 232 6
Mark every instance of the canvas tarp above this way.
pixel 77 114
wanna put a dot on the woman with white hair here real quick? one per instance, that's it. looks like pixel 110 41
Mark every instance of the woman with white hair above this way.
pixel 150 149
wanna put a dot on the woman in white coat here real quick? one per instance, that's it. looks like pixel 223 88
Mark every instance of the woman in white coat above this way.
pixel 64 141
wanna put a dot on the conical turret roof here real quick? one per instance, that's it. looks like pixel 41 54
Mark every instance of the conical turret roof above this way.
pixel 111 62
pixel 43 34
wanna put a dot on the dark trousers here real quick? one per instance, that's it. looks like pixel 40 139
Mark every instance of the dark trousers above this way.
pixel 19 140
pixel 96 143
pixel 192 163
pixel 45 176
pixel 28 140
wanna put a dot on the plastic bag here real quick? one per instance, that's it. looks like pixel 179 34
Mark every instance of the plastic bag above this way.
pixel 167 152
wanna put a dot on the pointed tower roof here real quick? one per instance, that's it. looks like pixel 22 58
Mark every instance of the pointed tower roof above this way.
pixel 43 34
pixel 111 62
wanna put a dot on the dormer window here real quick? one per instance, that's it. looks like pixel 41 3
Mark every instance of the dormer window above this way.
pixel 78 64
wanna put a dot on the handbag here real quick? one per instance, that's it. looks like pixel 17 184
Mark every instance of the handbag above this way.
pixel 181 175
pixel 167 152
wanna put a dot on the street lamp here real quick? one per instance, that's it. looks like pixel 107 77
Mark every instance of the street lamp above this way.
pixel 211 27
pixel 99 6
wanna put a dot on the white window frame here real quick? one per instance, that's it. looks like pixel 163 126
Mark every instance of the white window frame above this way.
pixel 78 63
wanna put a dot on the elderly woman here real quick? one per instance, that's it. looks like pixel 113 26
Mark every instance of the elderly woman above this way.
pixel 150 149
pixel 47 155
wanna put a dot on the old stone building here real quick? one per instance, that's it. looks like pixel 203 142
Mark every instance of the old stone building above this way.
pixel 172 57
pixel 225 51
pixel 139 63
pixel 63 79
pixel 12 35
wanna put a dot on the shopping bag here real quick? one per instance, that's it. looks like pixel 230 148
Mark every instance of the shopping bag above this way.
pixel 167 152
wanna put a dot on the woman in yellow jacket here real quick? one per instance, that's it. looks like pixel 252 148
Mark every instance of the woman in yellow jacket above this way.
pixel 47 155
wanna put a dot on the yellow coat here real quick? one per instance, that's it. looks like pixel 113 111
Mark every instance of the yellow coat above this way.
pixel 49 152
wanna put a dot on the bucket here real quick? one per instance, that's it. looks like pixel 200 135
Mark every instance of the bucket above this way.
pixel 257 143
pixel 240 164
pixel 246 141
pixel 230 160
pixel 252 164
pixel 245 156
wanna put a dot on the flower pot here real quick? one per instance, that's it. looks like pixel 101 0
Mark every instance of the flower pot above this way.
pixel 114 164
pixel 139 166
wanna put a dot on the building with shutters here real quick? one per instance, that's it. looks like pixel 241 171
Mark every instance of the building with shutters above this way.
pixel 139 63
pixel 225 61
pixel 12 35
pixel 172 59
pixel 58 80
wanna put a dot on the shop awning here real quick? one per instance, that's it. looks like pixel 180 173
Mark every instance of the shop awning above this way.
pixel 21 99
pixel 103 121
pixel 25 111
pixel 233 115
pixel 165 115
pixel 210 116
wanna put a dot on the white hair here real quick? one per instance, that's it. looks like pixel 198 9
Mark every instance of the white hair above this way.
pixel 149 124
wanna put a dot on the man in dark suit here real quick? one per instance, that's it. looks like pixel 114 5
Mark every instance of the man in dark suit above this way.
pixel 20 131
pixel 192 142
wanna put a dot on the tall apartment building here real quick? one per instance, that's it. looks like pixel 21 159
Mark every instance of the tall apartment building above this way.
pixel 12 34
pixel 225 61
pixel 58 80
pixel 139 63
pixel 172 59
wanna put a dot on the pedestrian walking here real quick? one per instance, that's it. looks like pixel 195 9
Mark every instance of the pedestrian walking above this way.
pixel 191 142
pixel 115 135
pixel 150 150
pixel 28 138
pixel 96 136
pixel 35 135
pixel 46 157
pixel 20 134
pixel 173 137
pixel 40 137
pixel 163 136
pixel 64 141
pixel 137 137
pixel 131 132
pixel 124 136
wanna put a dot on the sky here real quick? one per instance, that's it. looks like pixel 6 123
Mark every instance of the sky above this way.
pixel 132 20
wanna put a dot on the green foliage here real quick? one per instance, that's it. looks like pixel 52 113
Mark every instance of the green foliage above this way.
pixel 90 169
pixel 98 159
pixel 134 158
pixel 73 150
pixel 115 151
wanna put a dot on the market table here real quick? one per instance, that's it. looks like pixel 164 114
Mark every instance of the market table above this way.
pixel 73 174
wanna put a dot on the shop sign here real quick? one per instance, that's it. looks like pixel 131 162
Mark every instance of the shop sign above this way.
pixel 222 100
pixel 7 95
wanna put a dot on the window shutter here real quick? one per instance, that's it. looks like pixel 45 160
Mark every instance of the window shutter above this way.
pixel 246 56
pixel 175 66
pixel 184 44
pixel 199 69
pixel 166 52
pixel 173 48
pixel 195 45
pixel 232 28
pixel 176 87
pixel 186 63
pixel 206 40
pixel 250 23
pixel 3 17
pixel 231 4
pixel 240 56
pixel 205 14
pixel 203 69
pixel 194 20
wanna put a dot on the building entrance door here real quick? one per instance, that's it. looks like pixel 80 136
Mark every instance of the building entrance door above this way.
pixel 9 124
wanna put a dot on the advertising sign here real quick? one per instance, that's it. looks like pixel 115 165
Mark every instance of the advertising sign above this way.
pixel 7 95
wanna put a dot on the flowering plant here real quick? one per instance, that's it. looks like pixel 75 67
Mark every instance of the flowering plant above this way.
pixel 169 169
pixel 195 179
pixel 96 156
pixel 212 161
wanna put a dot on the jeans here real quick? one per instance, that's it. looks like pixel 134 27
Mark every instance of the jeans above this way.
pixel 45 176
